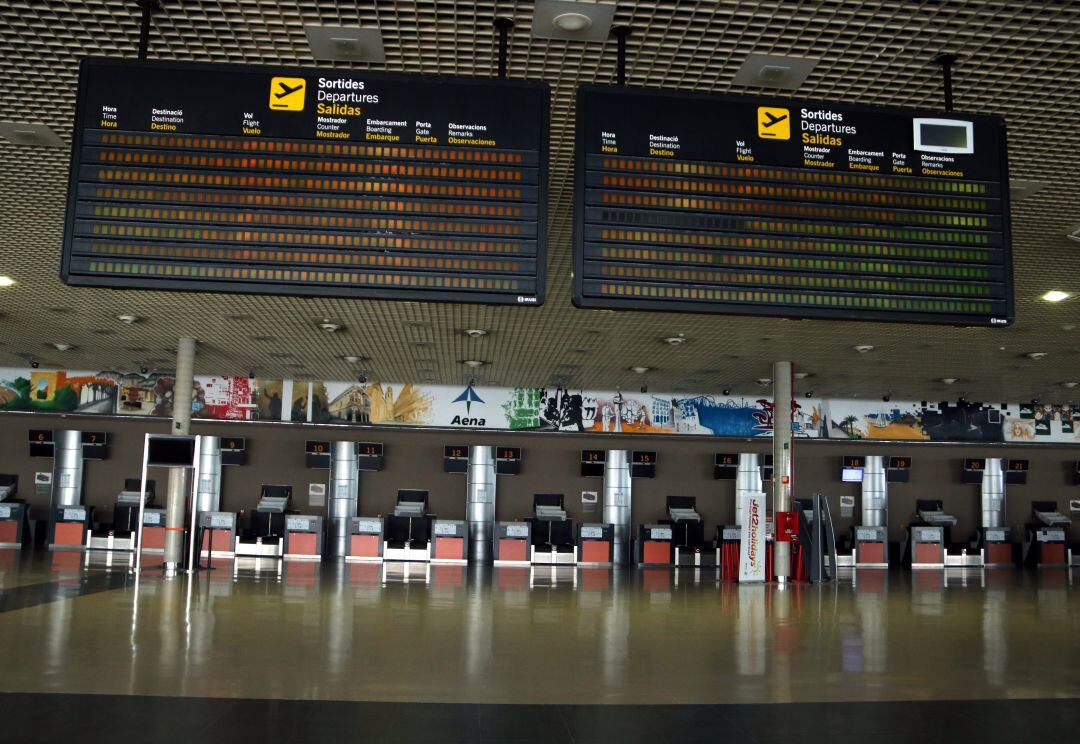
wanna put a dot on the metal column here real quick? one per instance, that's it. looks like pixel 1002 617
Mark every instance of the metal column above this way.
pixel 178 477
pixel 992 492
pixel 209 492
pixel 875 493
pixel 617 503
pixel 67 468
pixel 480 509
pixel 344 493
pixel 782 461
pixel 747 478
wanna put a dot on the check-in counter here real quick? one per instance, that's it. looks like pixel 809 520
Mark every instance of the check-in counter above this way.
pixel 14 524
pixel 596 544
pixel 513 544
pixel 655 545
pixel 69 527
pixel 449 541
pixel 365 540
pixel 303 537
pixel 218 534
pixel 153 534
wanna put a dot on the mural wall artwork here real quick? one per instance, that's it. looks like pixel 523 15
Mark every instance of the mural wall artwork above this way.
pixel 542 409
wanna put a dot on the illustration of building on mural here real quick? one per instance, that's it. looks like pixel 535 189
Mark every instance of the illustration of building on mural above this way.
pixel 352 405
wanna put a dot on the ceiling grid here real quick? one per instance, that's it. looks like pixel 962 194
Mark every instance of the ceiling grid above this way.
pixel 1017 60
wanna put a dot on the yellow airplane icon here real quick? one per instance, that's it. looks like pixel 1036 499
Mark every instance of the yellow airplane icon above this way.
pixel 287 94
pixel 773 123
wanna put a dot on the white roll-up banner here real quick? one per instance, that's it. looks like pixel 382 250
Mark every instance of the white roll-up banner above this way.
pixel 752 544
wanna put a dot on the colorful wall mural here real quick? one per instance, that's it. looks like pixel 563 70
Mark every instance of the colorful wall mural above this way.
pixel 542 409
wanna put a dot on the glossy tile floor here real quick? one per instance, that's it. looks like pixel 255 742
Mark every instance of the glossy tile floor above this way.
pixel 569 638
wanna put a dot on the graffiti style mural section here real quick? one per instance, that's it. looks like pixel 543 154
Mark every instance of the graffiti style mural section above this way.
pixel 542 409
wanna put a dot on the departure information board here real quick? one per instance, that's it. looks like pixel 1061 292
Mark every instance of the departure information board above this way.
pixel 308 182
pixel 763 206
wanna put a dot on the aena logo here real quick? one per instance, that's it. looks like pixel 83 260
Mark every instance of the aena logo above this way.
pixel 468 397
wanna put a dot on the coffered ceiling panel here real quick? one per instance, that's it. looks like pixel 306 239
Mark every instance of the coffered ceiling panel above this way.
pixel 1017 59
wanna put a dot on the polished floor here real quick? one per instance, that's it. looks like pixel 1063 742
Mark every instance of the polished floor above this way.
pixel 677 652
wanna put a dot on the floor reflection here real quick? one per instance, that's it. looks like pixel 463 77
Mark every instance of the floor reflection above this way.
pixel 411 631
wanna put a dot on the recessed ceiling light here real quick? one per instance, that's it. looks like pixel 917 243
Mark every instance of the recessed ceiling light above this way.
pixel 774 71
pixel 1036 355
pixel 474 363
pixel 30 134
pixel 572 22
pixel 329 326
pixel 350 44
pixel 639 370
pixel 863 348
pixel 949 380
pixel 128 318
pixel 764 381
pixel 63 346
pixel 675 340
pixel 352 358
pixel 6 281
pixel 569 20
pixel 803 375
pixel 1065 327
pixel 1069 384
pixel 1056 295
pixel 475 332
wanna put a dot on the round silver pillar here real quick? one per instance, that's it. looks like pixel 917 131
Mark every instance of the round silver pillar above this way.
pixel 67 468
pixel 992 493
pixel 480 507
pixel 209 494
pixel 344 491
pixel 617 504
pixel 875 493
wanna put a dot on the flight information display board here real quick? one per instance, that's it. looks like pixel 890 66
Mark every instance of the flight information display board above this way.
pixel 341 183
pixel 765 206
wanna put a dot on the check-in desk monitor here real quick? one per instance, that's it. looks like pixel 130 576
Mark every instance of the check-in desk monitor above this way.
pixel 930 534
pixel 1046 536
pixel 268 517
pixel 122 533
pixel 407 531
pixel 688 532
pixel 126 511
pixel 264 537
pixel 552 533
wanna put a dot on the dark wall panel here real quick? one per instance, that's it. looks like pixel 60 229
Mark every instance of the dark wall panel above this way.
pixel 550 464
